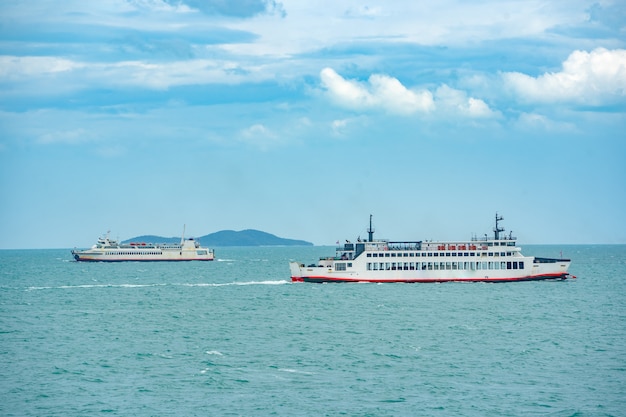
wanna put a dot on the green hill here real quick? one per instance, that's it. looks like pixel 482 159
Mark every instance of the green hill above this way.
pixel 249 237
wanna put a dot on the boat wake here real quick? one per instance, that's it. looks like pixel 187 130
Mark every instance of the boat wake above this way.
pixel 238 283
pixel 201 284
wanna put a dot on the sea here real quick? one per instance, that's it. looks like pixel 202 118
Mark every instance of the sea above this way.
pixel 235 337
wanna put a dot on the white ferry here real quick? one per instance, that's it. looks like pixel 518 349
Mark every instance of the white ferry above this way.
pixel 109 250
pixel 496 259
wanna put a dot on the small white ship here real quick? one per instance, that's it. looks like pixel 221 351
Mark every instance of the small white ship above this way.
pixel 496 259
pixel 109 250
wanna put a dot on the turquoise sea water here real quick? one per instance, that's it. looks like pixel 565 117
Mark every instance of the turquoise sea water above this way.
pixel 235 337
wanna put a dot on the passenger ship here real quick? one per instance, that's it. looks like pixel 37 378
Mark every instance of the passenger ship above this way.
pixel 475 260
pixel 109 250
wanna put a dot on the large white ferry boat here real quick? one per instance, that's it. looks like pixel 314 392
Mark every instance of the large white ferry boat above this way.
pixel 109 250
pixel 496 259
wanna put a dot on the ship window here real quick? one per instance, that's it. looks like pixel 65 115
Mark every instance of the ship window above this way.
pixel 521 265
pixel 514 265
pixel 453 253
pixel 340 266
pixel 508 265
pixel 447 253
pixel 387 255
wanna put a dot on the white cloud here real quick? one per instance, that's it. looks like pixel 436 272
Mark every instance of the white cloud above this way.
pixel 534 121
pixel 364 12
pixel 260 136
pixel 153 75
pixel 15 67
pixel 389 94
pixel 591 78
pixel 455 101
pixel 380 92
pixel 68 137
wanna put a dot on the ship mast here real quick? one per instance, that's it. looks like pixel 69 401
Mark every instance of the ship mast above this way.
pixel 370 231
pixel 497 229
pixel 182 238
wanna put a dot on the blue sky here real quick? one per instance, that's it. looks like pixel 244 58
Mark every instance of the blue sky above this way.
pixel 303 118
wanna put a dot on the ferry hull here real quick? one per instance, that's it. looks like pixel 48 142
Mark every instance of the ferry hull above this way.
pixel 554 270
pixel 87 258
pixel 322 279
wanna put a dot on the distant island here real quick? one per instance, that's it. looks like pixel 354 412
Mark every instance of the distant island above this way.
pixel 249 237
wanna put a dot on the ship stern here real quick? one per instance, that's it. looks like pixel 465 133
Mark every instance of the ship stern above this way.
pixel 296 271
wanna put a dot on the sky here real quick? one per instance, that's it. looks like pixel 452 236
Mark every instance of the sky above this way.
pixel 302 119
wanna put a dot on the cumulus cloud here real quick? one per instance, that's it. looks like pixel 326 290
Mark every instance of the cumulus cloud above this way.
pixel 380 92
pixel 456 101
pixel 389 94
pixel 589 78
pixel 260 136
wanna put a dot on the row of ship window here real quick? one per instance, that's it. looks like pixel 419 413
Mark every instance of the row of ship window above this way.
pixel 418 254
pixel 438 266
pixel 134 253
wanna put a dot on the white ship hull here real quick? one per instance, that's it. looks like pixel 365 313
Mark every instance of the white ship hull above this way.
pixel 556 269
pixel 485 260
pixel 121 256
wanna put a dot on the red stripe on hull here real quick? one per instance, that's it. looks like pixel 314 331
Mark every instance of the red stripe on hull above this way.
pixel 321 279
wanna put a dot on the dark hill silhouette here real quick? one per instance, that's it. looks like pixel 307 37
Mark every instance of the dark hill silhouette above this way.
pixel 249 237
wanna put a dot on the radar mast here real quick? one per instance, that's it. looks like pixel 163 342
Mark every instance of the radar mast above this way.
pixel 370 231
pixel 497 229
